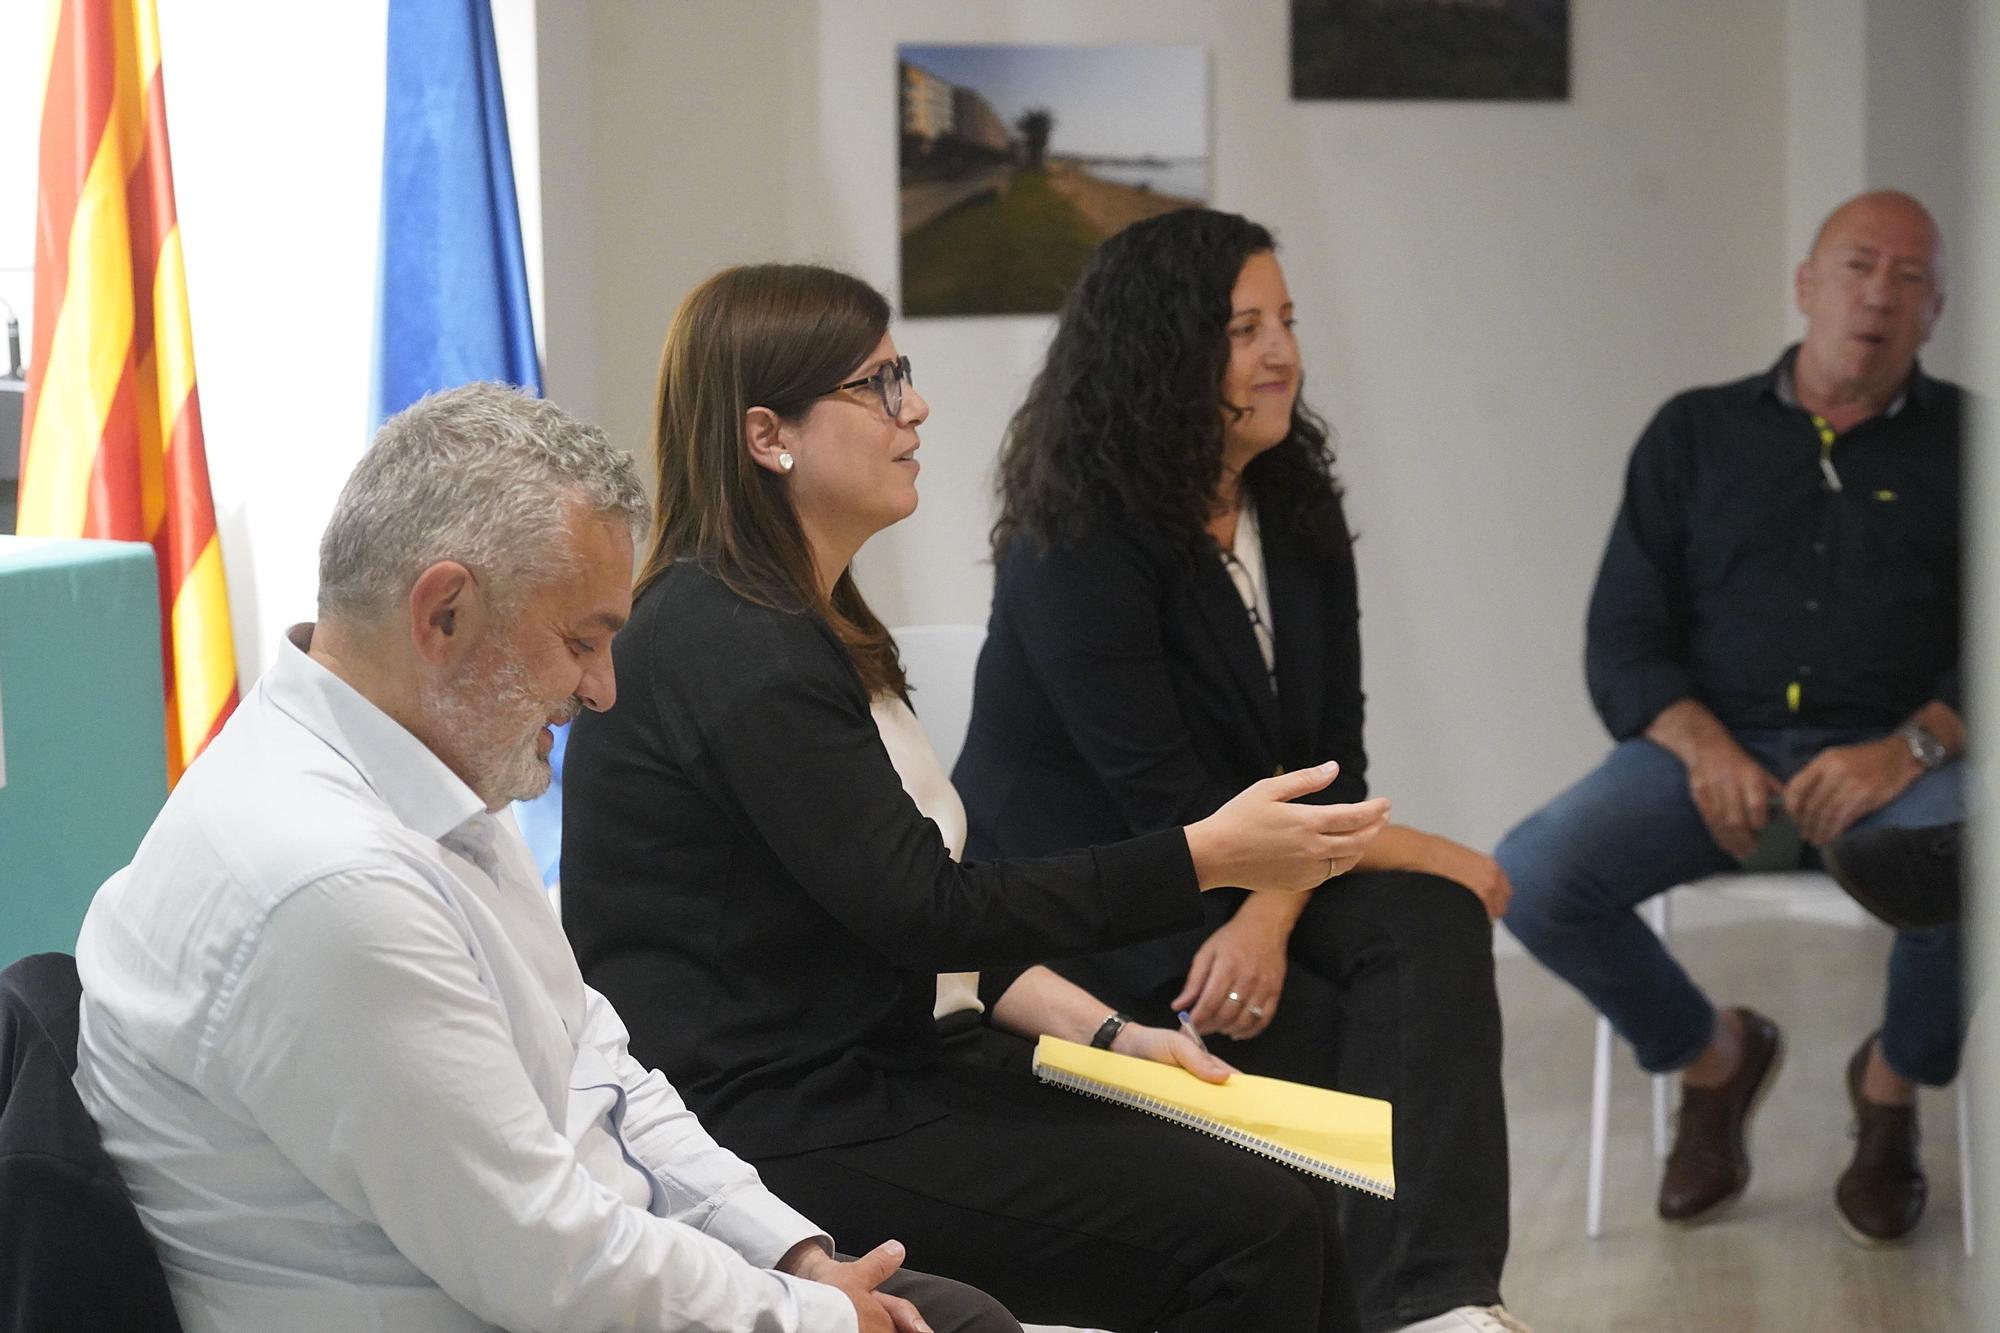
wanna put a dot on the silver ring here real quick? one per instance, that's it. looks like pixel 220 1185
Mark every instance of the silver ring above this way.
pixel 1255 1011
pixel 1234 998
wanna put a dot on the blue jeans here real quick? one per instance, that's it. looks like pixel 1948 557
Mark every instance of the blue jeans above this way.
pixel 1629 830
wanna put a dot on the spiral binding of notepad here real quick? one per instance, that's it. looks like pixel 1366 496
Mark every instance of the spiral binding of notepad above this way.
pixel 1312 1166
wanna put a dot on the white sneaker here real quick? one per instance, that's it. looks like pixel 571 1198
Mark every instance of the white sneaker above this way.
pixel 1470 1319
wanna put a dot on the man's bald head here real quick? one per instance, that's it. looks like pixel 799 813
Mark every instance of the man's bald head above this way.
pixel 1871 289
pixel 1883 205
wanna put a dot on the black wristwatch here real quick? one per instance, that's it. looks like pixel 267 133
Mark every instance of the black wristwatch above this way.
pixel 1925 748
pixel 1108 1030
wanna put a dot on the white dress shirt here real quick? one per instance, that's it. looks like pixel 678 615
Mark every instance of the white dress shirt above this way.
pixel 341 1052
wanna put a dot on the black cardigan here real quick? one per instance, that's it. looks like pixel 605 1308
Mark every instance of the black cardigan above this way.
pixel 73 1253
pixel 1121 690
pixel 746 880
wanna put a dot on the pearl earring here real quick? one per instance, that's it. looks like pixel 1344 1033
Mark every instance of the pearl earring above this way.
pixel 785 462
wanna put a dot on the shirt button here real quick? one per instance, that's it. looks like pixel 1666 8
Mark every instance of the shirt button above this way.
pixel 1812 603
pixel 1819 548
pixel 1805 671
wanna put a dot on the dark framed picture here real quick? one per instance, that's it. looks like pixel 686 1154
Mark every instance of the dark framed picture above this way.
pixel 1488 50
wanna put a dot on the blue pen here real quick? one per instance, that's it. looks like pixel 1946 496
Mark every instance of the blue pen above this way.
pixel 1187 1026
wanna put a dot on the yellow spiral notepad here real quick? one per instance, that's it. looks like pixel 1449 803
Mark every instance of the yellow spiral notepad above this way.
pixel 1334 1135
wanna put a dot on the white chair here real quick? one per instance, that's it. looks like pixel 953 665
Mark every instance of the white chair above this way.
pixel 939 662
pixel 1658 913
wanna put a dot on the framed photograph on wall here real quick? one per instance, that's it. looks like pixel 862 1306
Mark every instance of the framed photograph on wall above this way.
pixel 1487 50
pixel 1015 161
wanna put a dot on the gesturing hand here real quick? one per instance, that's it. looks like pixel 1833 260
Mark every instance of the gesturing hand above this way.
pixel 857 1279
pixel 1262 839
pixel 1844 782
pixel 1236 979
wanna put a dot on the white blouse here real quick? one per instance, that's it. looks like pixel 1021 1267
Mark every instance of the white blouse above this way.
pixel 1245 563
pixel 930 787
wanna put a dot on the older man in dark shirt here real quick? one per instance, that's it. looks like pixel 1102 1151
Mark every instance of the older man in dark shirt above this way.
pixel 1774 641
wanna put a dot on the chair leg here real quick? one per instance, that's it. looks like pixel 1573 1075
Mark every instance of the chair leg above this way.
pixel 1965 1159
pixel 1600 1120
pixel 1662 1091
pixel 1660 914
pixel 1660 911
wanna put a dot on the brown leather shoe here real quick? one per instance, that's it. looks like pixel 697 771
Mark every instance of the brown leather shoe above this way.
pixel 1881 1195
pixel 1710 1162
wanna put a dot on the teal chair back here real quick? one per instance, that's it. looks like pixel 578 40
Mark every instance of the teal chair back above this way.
pixel 83 764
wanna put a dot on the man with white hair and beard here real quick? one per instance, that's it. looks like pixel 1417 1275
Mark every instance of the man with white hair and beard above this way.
pixel 331 1030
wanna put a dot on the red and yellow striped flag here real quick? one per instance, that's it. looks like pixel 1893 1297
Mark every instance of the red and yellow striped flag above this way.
pixel 111 444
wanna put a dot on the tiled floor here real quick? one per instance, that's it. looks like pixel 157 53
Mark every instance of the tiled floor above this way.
pixel 1778 1260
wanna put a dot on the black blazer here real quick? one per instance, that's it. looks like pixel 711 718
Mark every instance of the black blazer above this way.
pixel 746 880
pixel 73 1254
pixel 1121 690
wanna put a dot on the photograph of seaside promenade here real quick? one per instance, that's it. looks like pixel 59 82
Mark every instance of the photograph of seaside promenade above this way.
pixel 1480 50
pixel 1015 161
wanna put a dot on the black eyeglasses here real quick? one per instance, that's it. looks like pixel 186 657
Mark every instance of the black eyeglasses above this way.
pixel 888 379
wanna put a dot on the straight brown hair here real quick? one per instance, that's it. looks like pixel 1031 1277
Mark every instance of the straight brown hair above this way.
pixel 776 336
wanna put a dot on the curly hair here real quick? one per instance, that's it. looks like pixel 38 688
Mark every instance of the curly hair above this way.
pixel 1124 422
pixel 774 336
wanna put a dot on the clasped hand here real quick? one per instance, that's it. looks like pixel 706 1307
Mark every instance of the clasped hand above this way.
pixel 1840 785
pixel 857 1279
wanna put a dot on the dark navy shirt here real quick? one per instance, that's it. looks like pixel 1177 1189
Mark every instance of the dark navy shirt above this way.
pixel 1781 582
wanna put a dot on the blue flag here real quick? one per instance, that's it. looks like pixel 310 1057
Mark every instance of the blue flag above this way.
pixel 454 282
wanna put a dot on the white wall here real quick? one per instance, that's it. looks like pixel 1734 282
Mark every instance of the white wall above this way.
pixel 1876 97
pixel 22 57
pixel 1494 296
pixel 1826 113
pixel 278 220
pixel 1493 299
pixel 275 113
pixel 1917 139
pixel 665 133
pixel 1980 270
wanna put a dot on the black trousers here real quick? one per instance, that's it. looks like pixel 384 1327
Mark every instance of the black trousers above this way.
pixel 947 1306
pixel 1073 1211
pixel 1389 993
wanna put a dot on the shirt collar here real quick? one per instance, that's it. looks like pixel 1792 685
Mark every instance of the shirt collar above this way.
pixel 1780 385
pixel 416 785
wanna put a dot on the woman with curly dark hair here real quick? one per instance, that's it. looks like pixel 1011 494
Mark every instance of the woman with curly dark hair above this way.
pixel 1175 613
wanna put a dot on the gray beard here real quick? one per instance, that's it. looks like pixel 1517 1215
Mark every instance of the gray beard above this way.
pixel 493 718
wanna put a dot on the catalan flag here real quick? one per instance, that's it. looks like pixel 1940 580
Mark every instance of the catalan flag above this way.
pixel 111 441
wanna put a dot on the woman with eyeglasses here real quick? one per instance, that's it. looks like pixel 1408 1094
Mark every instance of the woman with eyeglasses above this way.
pixel 748 881
pixel 1175 614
